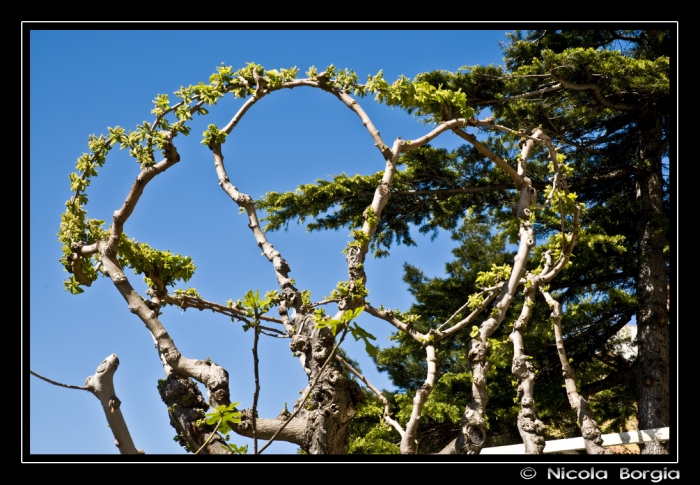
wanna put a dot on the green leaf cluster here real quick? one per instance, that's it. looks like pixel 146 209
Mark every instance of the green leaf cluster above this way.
pixel 212 136
pixel 378 440
pixel 358 333
pixel 354 292
pixel 255 306
pixel 227 414
pixel 75 226
pixel 487 279
pixel 189 292
pixel 360 239
pixel 420 98
pixel 346 318
pixel 154 263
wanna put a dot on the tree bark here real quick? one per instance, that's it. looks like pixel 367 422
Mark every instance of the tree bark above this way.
pixel 187 408
pixel 330 406
pixel 653 360
pixel 589 428
pixel 101 384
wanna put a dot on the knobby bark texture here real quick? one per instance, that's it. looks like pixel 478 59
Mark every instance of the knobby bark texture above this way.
pixel 331 404
pixel 530 427
pixel 187 408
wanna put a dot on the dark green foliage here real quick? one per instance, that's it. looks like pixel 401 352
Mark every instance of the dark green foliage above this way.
pixel 427 193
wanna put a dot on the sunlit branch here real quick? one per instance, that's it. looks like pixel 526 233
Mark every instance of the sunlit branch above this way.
pixel 530 427
pixel 388 316
pixel 409 444
pixel 213 376
pixel 146 175
pixel 589 428
pixel 441 128
pixel 491 294
pixel 322 302
pixel 281 267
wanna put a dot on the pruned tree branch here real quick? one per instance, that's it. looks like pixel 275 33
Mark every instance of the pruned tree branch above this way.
pixel 101 385
pixel 147 174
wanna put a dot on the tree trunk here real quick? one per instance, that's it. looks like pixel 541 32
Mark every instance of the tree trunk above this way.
pixel 653 373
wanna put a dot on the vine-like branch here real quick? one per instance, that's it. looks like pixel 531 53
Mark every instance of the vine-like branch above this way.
pixel 256 394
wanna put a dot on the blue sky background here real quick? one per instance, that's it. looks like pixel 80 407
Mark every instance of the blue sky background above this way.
pixel 80 83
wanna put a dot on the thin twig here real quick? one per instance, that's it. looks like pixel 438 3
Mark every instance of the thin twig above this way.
pixel 68 386
pixel 457 313
pixel 210 436
pixel 323 302
pixel 276 334
pixel 257 387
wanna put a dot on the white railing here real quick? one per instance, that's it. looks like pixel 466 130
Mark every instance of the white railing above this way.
pixel 573 444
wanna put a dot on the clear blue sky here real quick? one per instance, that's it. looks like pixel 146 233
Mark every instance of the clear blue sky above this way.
pixel 80 83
